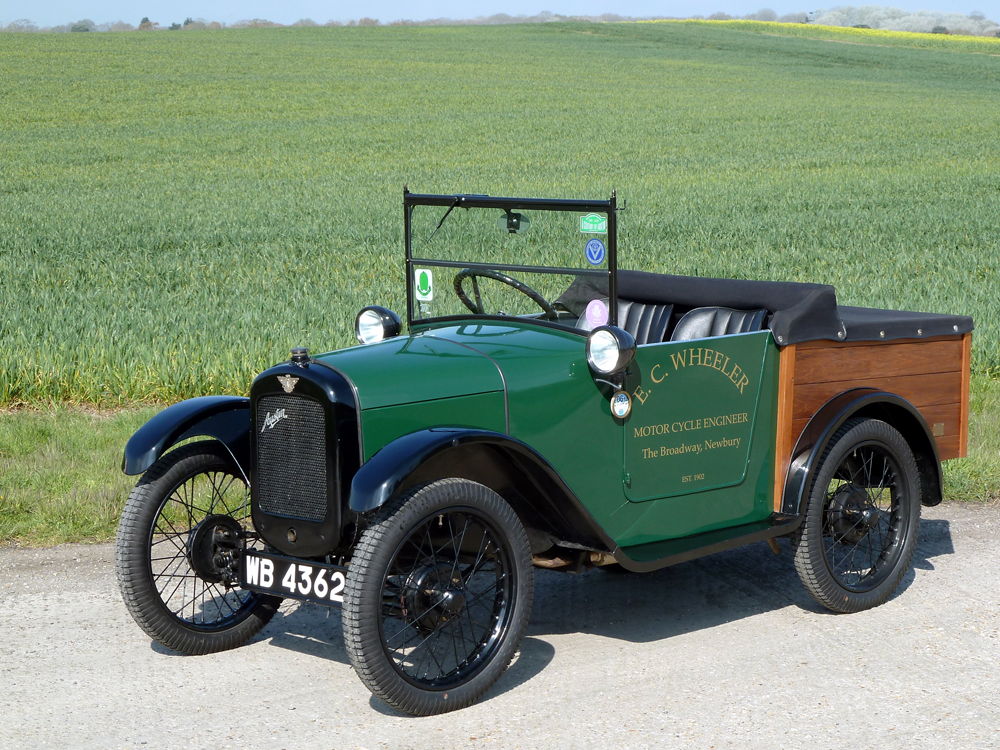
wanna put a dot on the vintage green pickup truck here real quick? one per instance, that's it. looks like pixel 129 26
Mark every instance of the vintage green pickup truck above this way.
pixel 542 409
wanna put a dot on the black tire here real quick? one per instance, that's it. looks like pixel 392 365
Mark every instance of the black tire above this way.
pixel 175 553
pixel 862 518
pixel 457 552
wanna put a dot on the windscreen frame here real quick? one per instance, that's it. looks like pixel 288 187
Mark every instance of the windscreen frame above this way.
pixel 608 207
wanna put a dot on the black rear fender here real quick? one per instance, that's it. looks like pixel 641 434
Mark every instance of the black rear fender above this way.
pixel 225 418
pixel 862 402
pixel 509 467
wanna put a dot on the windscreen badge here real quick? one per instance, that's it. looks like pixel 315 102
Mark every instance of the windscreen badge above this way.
pixel 595 252
pixel 424 286
pixel 593 224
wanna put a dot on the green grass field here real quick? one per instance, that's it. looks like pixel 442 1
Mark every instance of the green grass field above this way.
pixel 177 210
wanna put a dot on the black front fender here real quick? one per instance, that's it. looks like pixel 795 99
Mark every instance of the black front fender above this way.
pixel 383 474
pixel 225 418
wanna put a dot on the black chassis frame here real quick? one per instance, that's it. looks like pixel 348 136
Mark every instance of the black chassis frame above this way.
pixel 610 207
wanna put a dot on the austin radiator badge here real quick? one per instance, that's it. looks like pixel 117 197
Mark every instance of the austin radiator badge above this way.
pixel 287 382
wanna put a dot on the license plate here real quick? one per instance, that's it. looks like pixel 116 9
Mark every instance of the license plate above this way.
pixel 296 579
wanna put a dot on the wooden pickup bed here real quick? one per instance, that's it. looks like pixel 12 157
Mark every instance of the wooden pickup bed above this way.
pixel 932 374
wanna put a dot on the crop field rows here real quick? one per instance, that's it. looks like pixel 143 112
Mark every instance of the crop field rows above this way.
pixel 177 210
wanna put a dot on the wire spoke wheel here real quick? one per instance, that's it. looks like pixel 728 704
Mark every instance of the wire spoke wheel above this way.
pixel 862 521
pixel 178 548
pixel 438 596
pixel 198 585
pixel 862 518
pixel 446 599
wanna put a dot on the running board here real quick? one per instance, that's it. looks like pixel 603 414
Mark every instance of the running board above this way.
pixel 642 558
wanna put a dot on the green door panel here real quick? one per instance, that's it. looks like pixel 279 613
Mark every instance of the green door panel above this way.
pixel 409 369
pixel 694 407
pixel 381 426
pixel 702 510
pixel 683 515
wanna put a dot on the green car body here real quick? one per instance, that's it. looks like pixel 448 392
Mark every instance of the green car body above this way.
pixel 533 383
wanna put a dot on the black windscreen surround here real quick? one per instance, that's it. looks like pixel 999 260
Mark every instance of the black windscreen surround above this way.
pixel 291 457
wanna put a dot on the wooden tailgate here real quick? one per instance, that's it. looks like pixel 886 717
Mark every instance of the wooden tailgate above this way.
pixel 932 374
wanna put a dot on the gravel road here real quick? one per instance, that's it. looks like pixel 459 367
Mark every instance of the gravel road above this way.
pixel 727 651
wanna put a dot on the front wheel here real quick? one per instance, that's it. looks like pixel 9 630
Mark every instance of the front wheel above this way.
pixel 438 597
pixel 177 552
pixel 862 518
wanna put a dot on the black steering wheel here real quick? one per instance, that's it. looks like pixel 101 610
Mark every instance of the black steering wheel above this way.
pixel 477 306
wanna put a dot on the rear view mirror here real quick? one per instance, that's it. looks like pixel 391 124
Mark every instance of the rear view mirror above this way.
pixel 514 222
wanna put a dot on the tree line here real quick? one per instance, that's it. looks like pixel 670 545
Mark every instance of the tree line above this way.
pixel 866 17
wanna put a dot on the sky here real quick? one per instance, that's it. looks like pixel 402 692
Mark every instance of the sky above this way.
pixel 165 12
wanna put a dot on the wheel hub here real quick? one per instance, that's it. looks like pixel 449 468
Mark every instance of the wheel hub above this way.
pixel 213 548
pixel 852 515
pixel 434 596
pixel 453 601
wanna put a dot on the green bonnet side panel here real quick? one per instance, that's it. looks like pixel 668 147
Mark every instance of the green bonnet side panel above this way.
pixel 409 369
pixel 557 409
pixel 379 427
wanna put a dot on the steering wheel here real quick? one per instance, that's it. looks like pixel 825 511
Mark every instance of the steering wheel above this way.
pixel 477 306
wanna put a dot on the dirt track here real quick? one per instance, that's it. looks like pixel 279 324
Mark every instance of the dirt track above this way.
pixel 727 651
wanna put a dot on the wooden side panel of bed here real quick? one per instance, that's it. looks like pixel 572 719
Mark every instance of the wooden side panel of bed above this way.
pixel 932 374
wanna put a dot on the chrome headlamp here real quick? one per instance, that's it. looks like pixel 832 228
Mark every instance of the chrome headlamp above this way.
pixel 375 323
pixel 609 349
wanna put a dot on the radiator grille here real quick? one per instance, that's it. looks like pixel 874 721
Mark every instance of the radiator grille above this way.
pixel 291 457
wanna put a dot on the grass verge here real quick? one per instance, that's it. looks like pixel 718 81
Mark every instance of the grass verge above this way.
pixel 977 478
pixel 60 479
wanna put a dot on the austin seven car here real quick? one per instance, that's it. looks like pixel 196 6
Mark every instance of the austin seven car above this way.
pixel 536 406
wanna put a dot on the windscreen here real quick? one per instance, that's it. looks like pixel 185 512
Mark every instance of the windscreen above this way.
pixel 549 265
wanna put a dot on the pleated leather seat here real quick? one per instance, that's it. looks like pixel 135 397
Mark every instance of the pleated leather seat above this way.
pixel 703 322
pixel 647 322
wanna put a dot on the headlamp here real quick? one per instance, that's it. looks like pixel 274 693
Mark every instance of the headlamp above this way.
pixel 375 323
pixel 609 349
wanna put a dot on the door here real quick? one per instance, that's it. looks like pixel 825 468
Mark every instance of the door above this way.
pixel 694 412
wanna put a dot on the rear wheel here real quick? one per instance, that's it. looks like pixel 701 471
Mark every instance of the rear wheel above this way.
pixel 438 597
pixel 177 553
pixel 862 518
